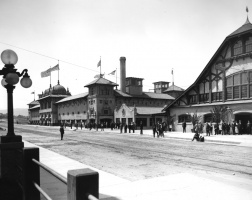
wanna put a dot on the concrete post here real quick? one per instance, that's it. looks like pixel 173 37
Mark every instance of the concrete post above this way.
pixel 11 167
pixel 31 173
pixel 81 182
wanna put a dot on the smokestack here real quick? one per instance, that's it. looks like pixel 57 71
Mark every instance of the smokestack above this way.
pixel 123 74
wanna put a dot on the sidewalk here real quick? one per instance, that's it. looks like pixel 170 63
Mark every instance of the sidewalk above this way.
pixel 239 140
pixel 182 186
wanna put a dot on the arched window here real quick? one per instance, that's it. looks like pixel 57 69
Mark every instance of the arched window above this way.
pixel 238 48
pixel 184 117
pixel 248 45
pixel 239 85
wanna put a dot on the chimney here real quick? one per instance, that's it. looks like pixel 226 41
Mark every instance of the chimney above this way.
pixel 123 74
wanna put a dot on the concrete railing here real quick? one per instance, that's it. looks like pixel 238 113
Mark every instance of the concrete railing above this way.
pixel 82 184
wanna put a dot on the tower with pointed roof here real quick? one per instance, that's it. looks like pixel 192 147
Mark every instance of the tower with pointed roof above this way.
pixel 101 101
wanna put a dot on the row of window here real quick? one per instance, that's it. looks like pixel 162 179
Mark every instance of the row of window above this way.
pixel 102 91
pixel 45 105
pixel 105 112
pixel 138 103
pixel 156 86
pixel 72 113
pixel 242 46
pixel 238 86
pixel 133 82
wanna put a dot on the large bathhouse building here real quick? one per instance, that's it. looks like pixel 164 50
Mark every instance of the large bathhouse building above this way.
pixel 224 84
pixel 103 103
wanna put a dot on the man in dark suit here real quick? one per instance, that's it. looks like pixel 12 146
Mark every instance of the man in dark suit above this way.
pixel 184 126
pixel 141 128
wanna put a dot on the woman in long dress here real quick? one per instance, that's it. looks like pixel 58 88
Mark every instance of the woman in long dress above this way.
pixel 236 128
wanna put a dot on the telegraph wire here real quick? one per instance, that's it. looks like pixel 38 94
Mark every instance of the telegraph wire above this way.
pixel 40 54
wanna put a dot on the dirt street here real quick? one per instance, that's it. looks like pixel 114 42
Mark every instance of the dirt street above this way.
pixel 136 157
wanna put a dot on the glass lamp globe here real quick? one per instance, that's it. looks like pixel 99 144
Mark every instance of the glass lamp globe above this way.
pixel 3 82
pixel 26 82
pixel 9 57
pixel 12 78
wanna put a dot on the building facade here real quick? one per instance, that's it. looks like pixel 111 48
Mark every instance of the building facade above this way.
pixel 225 82
pixel 101 104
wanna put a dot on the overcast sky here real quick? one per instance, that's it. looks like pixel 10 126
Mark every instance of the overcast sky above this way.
pixel 154 36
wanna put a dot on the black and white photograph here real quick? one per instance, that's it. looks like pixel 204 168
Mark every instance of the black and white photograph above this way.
pixel 126 100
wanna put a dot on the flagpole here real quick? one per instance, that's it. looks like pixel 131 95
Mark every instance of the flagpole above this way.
pixel 34 95
pixel 100 66
pixel 58 73
pixel 116 77
pixel 50 77
pixel 172 77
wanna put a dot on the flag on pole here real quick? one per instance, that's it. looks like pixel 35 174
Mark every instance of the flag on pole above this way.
pixel 99 63
pixel 32 92
pixel 56 67
pixel 112 73
pixel 46 73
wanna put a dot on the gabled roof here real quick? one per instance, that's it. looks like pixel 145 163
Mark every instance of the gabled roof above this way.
pixel 78 96
pixel 34 107
pixel 101 81
pixel 244 28
pixel 174 88
pixel 148 95
pixel 34 103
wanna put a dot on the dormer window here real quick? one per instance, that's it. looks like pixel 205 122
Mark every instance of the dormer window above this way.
pixel 238 48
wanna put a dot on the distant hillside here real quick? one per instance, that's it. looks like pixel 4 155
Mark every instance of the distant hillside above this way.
pixel 17 111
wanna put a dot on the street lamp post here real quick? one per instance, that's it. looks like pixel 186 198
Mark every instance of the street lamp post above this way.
pixel 11 145
pixel 11 78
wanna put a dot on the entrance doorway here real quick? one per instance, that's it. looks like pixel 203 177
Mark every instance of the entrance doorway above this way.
pixel 244 118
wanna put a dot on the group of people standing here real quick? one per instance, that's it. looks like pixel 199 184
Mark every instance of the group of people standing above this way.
pixel 221 128
pixel 125 127
pixel 159 128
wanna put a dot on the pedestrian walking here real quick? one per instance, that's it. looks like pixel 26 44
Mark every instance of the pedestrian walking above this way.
pixel 141 128
pixel 184 126
pixel 207 129
pixel 125 128
pixel 154 129
pixel 249 128
pixel 228 128
pixel 161 131
pixel 239 128
pixel 220 128
pixel 236 128
pixel 61 132
pixel 133 127
pixel 121 127
pixel 233 127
